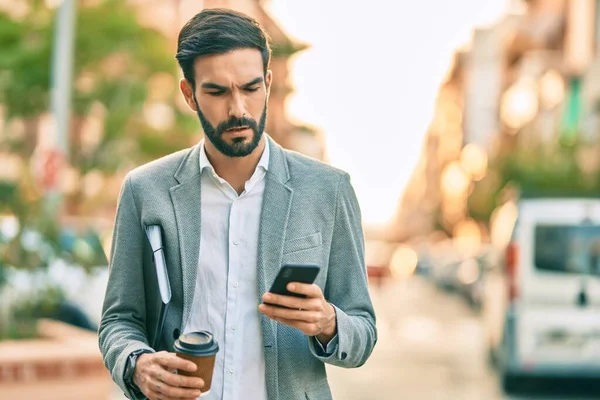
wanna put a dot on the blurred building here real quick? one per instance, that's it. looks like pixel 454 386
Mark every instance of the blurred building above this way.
pixel 531 79
pixel 484 65
pixel 420 207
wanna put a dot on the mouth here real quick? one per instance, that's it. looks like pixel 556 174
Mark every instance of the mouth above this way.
pixel 237 129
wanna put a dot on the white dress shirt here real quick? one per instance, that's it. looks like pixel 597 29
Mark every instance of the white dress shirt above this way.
pixel 226 295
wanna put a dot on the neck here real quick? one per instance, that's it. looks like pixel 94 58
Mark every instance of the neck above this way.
pixel 235 170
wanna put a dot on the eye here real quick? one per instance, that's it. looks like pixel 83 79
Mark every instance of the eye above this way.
pixel 251 90
pixel 216 94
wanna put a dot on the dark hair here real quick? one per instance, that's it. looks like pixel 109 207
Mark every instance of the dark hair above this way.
pixel 219 31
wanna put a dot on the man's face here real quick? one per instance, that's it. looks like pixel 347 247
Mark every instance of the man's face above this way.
pixel 230 97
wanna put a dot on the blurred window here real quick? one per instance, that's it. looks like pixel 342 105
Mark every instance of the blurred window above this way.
pixel 568 248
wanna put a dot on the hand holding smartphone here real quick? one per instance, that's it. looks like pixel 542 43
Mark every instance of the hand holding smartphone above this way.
pixel 300 273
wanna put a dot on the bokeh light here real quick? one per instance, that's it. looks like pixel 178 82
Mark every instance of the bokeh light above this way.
pixel 474 160
pixel 519 103
pixel 404 262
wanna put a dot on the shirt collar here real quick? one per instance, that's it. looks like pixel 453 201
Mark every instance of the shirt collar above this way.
pixel 263 162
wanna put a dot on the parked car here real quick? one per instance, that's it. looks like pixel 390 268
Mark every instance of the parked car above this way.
pixel 377 257
pixel 424 260
pixel 473 272
pixel 463 274
pixel 57 286
pixel 444 260
pixel 541 308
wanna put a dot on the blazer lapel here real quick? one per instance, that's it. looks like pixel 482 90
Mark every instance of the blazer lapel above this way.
pixel 276 206
pixel 186 203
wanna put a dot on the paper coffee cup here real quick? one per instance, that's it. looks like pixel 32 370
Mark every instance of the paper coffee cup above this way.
pixel 200 348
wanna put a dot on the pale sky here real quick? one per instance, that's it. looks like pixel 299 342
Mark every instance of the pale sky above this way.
pixel 370 79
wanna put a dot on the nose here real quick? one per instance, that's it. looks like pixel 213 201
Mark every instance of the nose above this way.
pixel 237 107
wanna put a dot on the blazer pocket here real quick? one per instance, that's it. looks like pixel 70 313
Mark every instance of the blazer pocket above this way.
pixel 302 243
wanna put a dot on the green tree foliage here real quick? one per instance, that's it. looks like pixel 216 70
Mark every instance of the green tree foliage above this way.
pixel 115 59
pixel 538 171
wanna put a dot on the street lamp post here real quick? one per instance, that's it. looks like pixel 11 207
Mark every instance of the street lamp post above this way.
pixel 60 100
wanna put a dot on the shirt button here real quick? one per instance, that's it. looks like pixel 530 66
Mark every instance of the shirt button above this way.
pixel 236 284
pixel 235 242
pixel 233 328
pixel 231 370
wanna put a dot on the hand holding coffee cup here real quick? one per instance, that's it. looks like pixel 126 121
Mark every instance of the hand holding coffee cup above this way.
pixel 154 377
pixel 201 349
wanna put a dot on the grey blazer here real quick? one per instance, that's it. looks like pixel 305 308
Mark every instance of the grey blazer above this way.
pixel 310 214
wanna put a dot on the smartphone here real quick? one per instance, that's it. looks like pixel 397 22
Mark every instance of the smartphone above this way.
pixel 294 273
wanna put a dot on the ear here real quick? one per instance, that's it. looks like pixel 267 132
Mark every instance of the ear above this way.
pixel 188 93
pixel 268 81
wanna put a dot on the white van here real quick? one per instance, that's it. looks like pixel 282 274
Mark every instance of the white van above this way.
pixel 542 307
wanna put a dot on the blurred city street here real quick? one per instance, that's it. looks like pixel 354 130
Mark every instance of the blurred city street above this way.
pixel 431 347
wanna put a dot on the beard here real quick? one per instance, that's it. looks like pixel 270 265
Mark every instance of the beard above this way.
pixel 239 147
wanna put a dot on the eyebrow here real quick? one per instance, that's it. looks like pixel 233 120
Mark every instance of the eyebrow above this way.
pixel 211 85
pixel 253 82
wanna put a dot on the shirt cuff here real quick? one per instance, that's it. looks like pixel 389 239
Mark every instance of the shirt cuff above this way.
pixel 329 348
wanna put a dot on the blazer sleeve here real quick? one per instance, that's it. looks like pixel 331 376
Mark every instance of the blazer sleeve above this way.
pixel 122 327
pixel 346 287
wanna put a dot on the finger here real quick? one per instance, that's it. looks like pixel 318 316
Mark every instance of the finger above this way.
pixel 153 395
pixel 309 290
pixel 287 301
pixel 162 389
pixel 307 328
pixel 289 314
pixel 175 380
pixel 172 361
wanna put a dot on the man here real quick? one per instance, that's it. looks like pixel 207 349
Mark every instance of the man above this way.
pixel 234 209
